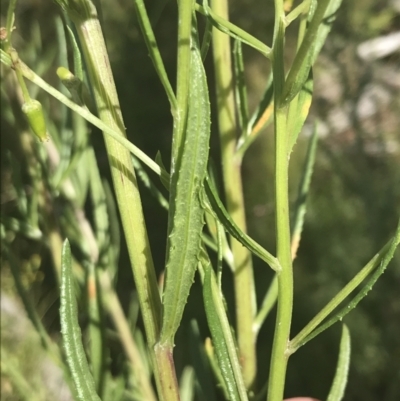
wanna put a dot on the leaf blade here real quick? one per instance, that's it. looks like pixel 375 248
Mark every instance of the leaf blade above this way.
pixel 212 202
pixel 336 392
pixel 314 39
pixel 222 337
pixel 71 332
pixel 186 211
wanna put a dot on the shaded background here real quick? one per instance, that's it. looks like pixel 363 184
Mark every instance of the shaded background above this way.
pixel 352 208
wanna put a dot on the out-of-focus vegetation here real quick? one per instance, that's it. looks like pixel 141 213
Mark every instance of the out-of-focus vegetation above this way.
pixel 353 204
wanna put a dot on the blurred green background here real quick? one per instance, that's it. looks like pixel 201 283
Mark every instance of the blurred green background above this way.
pixel 353 206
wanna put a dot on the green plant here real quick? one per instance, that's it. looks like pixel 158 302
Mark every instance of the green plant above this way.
pixel 67 166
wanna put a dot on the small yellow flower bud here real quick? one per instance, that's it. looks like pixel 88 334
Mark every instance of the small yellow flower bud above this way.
pixel 34 113
pixel 64 74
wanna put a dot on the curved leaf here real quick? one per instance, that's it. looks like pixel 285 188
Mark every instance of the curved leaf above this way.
pixel 71 332
pixel 336 392
pixel 214 205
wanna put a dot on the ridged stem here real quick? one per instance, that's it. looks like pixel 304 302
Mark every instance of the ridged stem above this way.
pixel 280 355
pixel 84 16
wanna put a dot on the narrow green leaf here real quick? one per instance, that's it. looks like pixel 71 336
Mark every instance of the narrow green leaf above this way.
pixel 83 91
pixel 232 30
pixel 114 230
pixel 164 175
pixel 96 328
pixel 260 118
pixel 269 301
pixel 185 17
pixel 205 43
pixel 220 243
pixel 311 45
pixel 148 183
pixel 212 360
pixel 304 187
pixel 62 50
pixel 71 332
pixel 298 111
pixel 201 365
pixel 186 211
pixel 78 65
pixel 374 268
pixel 325 27
pixel 213 204
pixel 240 86
pixel 10 23
pixel 223 341
pixel 336 392
pixel 153 50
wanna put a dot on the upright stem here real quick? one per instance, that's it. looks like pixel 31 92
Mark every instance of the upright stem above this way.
pixel 123 174
pixel 83 13
pixel 285 277
pixel 243 277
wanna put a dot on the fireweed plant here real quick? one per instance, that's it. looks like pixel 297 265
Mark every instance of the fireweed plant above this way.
pixel 63 164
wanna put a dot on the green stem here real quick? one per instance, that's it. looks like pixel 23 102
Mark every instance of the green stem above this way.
pixel 9 23
pixel 243 275
pixel 166 371
pixel 285 277
pixel 294 14
pixel 87 115
pixel 124 179
pixel 123 174
pixel 20 78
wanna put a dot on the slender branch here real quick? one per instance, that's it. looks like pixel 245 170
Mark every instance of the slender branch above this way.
pixel 279 356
